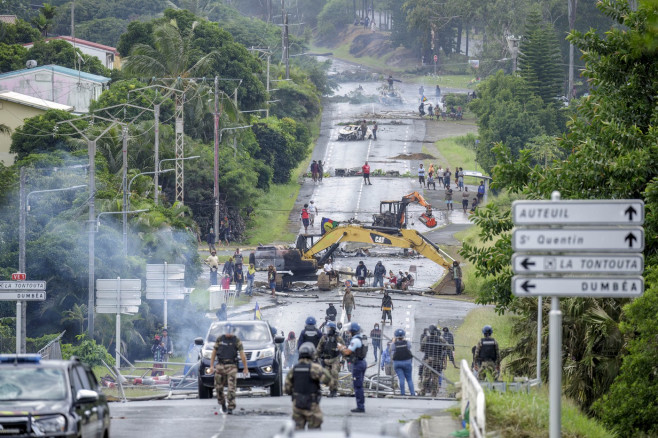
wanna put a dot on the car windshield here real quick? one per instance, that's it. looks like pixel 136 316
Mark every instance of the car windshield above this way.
pixel 30 383
pixel 246 332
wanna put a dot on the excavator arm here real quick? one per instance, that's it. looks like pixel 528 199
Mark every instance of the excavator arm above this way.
pixel 416 197
pixel 391 237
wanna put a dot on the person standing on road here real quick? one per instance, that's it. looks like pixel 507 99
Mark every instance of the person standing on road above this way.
pixel 364 129
pixel 432 345
pixel 320 170
pixel 237 258
pixel 386 362
pixel 481 192
pixel 387 306
pixel 457 276
pixel 159 352
pixel 448 197
pixel 310 333
pixel 366 173
pixel 348 302
pixel 356 353
pixel 239 279
pixel 168 345
pixel 303 384
pixel 446 178
pixel 251 276
pixel 271 278
pixel 487 355
pixel 440 175
pixel 430 182
pixel 374 131
pixel 437 92
pixel 421 175
pixel 402 361
pixel 361 274
pixel 228 268
pixel 465 196
pixel 312 212
pixel 450 340
pixel 314 171
pixel 290 350
pixel 222 314
pixel 378 273
pixel 460 179
pixel 331 312
pixel 210 239
pixel 376 337
pixel 226 350
pixel 421 91
pixel 305 218
pixel 330 356
pixel 213 262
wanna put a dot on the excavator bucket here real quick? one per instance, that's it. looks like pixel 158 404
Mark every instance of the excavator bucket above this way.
pixel 429 221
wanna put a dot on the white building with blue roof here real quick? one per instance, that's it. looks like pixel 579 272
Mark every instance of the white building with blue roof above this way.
pixel 56 84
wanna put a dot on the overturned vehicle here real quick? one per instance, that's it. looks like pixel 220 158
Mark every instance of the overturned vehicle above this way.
pixel 352 133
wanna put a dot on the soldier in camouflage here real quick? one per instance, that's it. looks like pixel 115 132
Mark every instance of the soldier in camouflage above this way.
pixel 330 356
pixel 487 356
pixel 303 384
pixel 225 352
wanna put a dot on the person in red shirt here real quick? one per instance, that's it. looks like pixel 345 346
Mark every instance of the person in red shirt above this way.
pixel 366 173
pixel 305 218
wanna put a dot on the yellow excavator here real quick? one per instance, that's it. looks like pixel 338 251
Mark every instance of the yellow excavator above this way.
pixel 304 261
pixel 394 213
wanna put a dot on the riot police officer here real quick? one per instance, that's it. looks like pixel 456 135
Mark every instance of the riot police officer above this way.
pixel 310 333
pixel 356 353
pixel 487 356
pixel 226 350
pixel 432 345
pixel 328 352
pixel 303 384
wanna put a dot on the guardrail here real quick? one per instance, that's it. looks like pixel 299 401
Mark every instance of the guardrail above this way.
pixel 473 400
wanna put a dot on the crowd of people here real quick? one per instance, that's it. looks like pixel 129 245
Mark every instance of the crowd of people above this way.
pixel 445 178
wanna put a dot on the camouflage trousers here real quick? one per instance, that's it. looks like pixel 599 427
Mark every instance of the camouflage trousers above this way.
pixel 487 370
pixel 431 381
pixel 311 417
pixel 333 366
pixel 226 375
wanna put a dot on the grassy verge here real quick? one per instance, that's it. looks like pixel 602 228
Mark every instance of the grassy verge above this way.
pixel 450 81
pixel 457 155
pixel 373 63
pixel 470 332
pixel 526 415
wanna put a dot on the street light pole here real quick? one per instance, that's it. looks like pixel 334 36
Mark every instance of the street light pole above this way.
pixel 125 193
pixel 216 162
pixel 21 306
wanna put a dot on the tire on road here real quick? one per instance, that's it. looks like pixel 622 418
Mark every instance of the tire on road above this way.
pixel 276 390
pixel 204 392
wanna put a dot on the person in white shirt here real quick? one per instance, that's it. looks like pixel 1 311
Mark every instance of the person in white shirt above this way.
pixel 312 212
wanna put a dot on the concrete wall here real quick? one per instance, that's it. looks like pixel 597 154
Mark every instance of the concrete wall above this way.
pixel 56 87
pixel 12 114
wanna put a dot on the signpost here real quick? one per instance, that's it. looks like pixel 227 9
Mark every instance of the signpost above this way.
pixel 20 290
pixel 165 282
pixel 575 248
pixel 118 296
pixel 25 296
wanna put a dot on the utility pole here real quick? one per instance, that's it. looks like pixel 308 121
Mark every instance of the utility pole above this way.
pixel 216 161
pixel 572 23
pixel 267 106
pixel 286 48
pixel 124 133
pixel 156 111
pixel 73 20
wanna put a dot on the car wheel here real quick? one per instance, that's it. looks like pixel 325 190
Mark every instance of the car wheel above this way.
pixel 276 390
pixel 204 392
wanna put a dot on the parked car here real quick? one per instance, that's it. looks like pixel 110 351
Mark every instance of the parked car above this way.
pixel 53 398
pixel 263 352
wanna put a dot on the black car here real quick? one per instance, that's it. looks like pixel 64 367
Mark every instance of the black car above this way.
pixel 51 398
pixel 263 352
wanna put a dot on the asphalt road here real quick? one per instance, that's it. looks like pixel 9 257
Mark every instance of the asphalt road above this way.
pixel 259 416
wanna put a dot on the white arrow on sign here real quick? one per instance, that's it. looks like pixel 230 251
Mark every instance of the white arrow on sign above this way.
pixel 622 239
pixel 578 264
pixel 598 287
pixel 579 212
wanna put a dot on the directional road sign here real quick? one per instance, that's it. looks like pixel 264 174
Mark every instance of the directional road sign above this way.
pixel 23 285
pixel 579 212
pixel 38 295
pixel 596 287
pixel 578 264
pixel 115 309
pixel 574 239
pixel 125 284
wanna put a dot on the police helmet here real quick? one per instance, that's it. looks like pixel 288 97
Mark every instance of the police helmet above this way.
pixel 487 330
pixel 331 325
pixel 310 320
pixel 230 328
pixel 307 350
pixel 399 333
pixel 355 327
pixel 433 328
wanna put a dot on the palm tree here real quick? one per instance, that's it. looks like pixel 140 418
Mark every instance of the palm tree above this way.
pixel 170 62
pixel 44 20
pixel 78 314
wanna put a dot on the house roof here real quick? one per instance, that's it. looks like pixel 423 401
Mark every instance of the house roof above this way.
pixel 9 19
pixel 61 70
pixel 80 42
pixel 35 102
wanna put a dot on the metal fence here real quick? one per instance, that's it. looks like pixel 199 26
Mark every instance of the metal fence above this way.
pixel 472 401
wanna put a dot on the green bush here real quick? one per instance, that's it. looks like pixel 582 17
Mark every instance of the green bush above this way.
pixel 88 351
pixel 456 100
pixel 467 141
